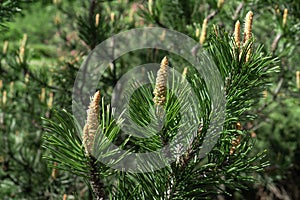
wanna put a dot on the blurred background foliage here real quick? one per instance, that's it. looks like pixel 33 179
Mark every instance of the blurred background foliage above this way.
pixel 44 43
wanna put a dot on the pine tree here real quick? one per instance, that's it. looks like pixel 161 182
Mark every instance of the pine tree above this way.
pixel 244 71
pixel 261 105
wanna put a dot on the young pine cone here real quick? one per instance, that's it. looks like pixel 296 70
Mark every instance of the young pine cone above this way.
pixel 161 83
pixel 91 124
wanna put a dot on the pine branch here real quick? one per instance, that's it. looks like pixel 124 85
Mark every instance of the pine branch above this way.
pixel 8 9
pixel 275 42
pixel 93 4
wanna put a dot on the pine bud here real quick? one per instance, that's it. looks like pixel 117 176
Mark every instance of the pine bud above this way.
pixel 248 31
pixel 203 31
pixel 161 83
pixel 237 30
pixel 50 100
pixel 43 95
pixel 197 32
pixel 92 123
pixel 112 17
pixel 238 126
pixel 4 98
pixel 298 79
pixel 234 144
pixel 97 18
pixel 5 47
pixel 22 49
pixel 284 19
pixel 248 26
pixel 150 4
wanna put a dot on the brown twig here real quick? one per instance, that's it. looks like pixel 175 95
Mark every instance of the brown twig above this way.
pixel 275 95
pixel 267 104
pixel 275 42
pixel 95 181
pixel 212 15
pixel 237 11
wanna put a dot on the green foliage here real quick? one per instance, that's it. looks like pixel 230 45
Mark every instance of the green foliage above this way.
pixel 27 24
pixel 8 9
pixel 193 176
pixel 64 141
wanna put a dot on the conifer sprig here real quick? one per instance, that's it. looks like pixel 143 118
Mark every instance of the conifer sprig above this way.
pixel 88 138
pixel 92 123
pixel 284 18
